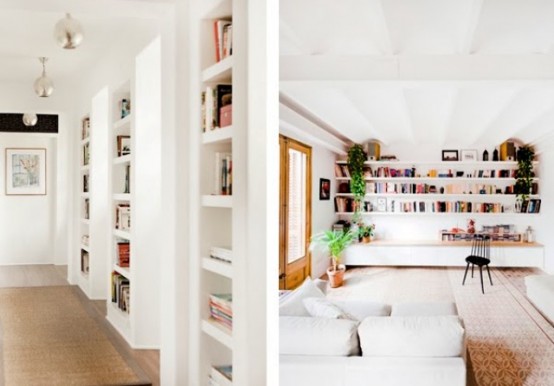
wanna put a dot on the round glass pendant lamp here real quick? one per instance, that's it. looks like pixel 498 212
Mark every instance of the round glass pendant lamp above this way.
pixel 68 32
pixel 44 87
pixel 30 119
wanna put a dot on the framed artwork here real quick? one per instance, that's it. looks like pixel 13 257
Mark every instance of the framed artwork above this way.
pixel 25 171
pixel 469 155
pixel 123 145
pixel 324 189
pixel 450 155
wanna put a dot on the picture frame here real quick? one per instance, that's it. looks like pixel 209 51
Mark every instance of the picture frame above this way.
pixel 450 155
pixel 25 171
pixel 469 155
pixel 324 189
pixel 123 145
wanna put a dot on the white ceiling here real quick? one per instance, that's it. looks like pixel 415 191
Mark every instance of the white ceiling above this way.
pixel 462 72
pixel 26 32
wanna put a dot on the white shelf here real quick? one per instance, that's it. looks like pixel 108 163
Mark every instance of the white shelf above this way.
pixel 219 72
pixel 85 141
pixel 217 266
pixel 218 331
pixel 468 214
pixel 123 271
pixel 221 135
pixel 85 167
pixel 85 221
pixel 122 160
pixel 85 247
pixel 435 196
pixel 122 234
pixel 445 164
pixel 85 195
pixel 216 9
pixel 217 201
pixel 120 320
pixel 122 196
pixel 122 123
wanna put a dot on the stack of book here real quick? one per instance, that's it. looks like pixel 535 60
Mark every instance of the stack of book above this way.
pixel 121 291
pixel 123 253
pixel 123 217
pixel 220 375
pixel 223 174
pixel 84 261
pixel 223 35
pixel 216 107
pixel 220 253
pixel 221 309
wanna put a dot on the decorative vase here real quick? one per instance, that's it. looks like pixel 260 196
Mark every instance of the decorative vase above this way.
pixel 485 155
pixel 336 278
pixel 366 239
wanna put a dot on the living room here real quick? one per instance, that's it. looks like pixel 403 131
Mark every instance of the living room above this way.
pixel 429 90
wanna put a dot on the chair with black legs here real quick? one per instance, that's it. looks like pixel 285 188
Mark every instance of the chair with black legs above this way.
pixel 480 255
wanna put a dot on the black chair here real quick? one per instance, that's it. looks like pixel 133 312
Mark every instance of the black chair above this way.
pixel 480 255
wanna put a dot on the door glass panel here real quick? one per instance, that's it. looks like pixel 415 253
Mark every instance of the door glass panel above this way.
pixel 296 206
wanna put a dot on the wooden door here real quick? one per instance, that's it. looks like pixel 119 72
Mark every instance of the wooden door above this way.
pixel 294 212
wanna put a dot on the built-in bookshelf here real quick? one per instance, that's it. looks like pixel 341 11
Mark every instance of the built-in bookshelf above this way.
pixel 410 188
pixel 84 205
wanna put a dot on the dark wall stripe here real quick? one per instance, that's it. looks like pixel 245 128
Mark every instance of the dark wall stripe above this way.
pixel 13 123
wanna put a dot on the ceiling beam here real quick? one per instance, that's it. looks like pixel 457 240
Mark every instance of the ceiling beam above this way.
pixel 466 45
pixel 416 67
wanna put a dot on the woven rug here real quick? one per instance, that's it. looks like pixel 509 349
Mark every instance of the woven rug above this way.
pixel 49 338
pixel 509 342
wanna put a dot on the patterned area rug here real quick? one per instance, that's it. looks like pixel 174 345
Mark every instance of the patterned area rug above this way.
pixel 509 342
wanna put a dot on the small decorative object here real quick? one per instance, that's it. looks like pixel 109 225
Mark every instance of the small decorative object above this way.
pixel 25 171
pixel 44 87
pixel 530 237
pixel 68 32
pixel 324 189
pixel 30 119
pixel 442 189
pixel 365 232
pixel 373 150
pixel 495 154
pixel 450 155
pixel 470 225
pixel 125 108
pixel 123 145
pixel 335 242
pixel 469 155
pixel 485 155
pixel 507 151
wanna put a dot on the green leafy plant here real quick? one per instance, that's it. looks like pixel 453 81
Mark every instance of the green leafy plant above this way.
pixel 355 161
pixel 335 242
pixel 524 173
pixel 366 230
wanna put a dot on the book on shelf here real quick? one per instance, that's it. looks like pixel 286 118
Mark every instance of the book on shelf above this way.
pixel 123 217
pixel 220 375
pixel 84 261
pixel 219 253
pixel 127 187
pixel 85 183
pixel 221 309
pixel 121 288
pixel 86 154
pixel 223 174
pixel 123 145
pixel 223 35
pixel 86 209
pixel 85 128
pixel 217 106
pixel 123 253
pixel 530 206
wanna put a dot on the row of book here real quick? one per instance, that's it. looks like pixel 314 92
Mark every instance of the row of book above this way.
pixel 85 182
pixel 221 309
pixel 86 154
pixel 220 375
pixel 529 206
pixel 123 253
pixel 85 128
pixel 223 174
pixel 123 145
pixel 464 236
pixel 217 107
pixel 341 170
pixel 123 217
pixel 407 188
pixel 121 292
pixel 86 209
pixel 84 261
pixel 223 254
pixel 223 35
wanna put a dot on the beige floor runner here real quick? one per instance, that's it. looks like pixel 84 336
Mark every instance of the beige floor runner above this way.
pixel 48 338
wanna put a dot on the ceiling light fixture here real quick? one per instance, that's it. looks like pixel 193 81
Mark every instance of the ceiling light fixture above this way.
pixel 44 85
pixel 30 119
pixel 68 32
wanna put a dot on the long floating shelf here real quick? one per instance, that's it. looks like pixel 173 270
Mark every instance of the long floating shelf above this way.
pixel 221 71
pixel 122 160
pixel 217 201
pixel 218 332
pixel 216 266
pixel 469 214
pixel 122 196
pixel 445 164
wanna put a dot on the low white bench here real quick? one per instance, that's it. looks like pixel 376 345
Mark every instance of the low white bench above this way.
pixel 540 290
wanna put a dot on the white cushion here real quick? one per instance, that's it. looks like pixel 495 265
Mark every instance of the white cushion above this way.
pixel 322 285
pixel 540 290
pixel 323 308
pixel 424 309
pixel 361 309
pixel 300 335
pixel 414 336
pixel 292 304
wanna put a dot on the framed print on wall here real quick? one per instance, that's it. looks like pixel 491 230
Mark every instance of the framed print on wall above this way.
pixel 450 155
pixel 25 171
pixel 324 189
pixel 469 155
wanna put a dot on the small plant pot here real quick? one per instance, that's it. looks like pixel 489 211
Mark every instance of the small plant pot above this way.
pixel 366 239
pixel 336 278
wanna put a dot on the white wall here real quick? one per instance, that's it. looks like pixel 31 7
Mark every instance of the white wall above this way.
pixel 545 220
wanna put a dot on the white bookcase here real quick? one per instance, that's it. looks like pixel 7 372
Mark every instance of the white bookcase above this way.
pixel 83 196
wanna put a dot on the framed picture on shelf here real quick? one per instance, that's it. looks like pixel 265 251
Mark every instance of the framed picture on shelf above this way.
pixel 324 189
pixel 469 155
pixel 123 145
pixel 25 171
pixel 450 155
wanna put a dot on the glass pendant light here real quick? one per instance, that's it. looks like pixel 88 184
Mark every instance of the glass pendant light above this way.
pixel 68 32
pixel 30 119
pixel 44 85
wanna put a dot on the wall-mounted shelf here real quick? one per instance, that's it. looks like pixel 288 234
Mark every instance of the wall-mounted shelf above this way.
pixel 219 267
pixel 218 332
pixel 217 201
pixel 221 135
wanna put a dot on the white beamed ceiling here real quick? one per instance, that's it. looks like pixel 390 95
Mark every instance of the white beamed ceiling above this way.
pixel 463 72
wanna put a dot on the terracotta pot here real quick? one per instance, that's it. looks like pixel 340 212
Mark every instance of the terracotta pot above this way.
pixel 366 239
pixel 336 278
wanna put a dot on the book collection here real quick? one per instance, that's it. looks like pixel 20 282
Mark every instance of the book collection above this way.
pixel 341 170
pixel 85 128
pixel 86 209
pixel 217 102
pixel 221 309
pixel 220 375
pixel 223 174
pixel 459 188
pixel 503 233
pixel 123 217
pixel 85 183
pixel 86 154
pixel 223 35
pixel 223 254
pixel 84 261
pixel 123 253
pixel 127 186
pixel 121 292
pixel 123 143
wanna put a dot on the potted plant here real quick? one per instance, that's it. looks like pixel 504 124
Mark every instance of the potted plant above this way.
pixel 335 242
pixel 524 173
pixel 365 232
pixel 355 162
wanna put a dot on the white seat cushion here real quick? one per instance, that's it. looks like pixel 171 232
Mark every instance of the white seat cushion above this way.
pixel 413 336
pixel 540 290
pixel 361 309
pixel 323 308
pixel 424 309
pixel 292 304
pixel 299 335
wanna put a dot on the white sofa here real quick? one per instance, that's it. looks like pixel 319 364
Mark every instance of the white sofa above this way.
pixel 540 290
pixel 406 344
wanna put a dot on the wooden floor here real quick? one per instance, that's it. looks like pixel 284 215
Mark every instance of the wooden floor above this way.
pixel 52 275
